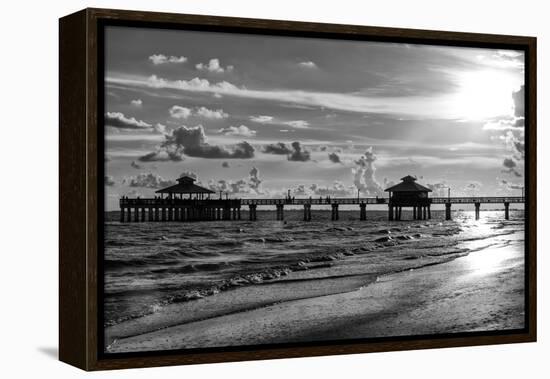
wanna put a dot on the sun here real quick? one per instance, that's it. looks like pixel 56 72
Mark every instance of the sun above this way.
pixel 485 94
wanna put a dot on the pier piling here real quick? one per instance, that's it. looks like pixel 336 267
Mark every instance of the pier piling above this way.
pixel 477 205
pixel 307 212
pixel 506 211
pixel 362 211
pixel 447 211
pixel 334 216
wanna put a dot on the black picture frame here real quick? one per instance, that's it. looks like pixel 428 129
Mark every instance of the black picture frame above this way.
pixel 81 76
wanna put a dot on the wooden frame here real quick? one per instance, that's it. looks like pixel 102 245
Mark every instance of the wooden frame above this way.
pixel 81 171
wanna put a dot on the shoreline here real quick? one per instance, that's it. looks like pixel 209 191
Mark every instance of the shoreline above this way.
pixel 480 291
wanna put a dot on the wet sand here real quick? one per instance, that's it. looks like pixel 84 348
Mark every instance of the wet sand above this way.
pixel 479 292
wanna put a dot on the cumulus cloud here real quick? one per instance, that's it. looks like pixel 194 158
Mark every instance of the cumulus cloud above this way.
pixel 337 189
pixel 295 152
pixel 163 59
pixel 278 148
pixel 249 185
pixel 159 128
pixel 180 112
pixel 299 154
pixel 192 142
pixel 209 113
pixel 514 134
pixel 241 130
pixel 136 103
pixel 119 120
pixel 364 174
pixel 262 119
pixel 135 165
pixel 510 166
pixel 148 180
pixel 307 64
pixel 334 158
pixel 109 181
pixel 213 65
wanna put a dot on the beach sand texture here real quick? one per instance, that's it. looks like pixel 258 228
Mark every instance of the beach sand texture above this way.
pixel 398 287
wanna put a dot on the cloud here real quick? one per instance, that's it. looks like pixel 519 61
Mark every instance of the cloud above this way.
pixel 119 120
pixel 135 165
pixel 159 128
pixel 337 189
pixel 192 142
pixel 212 114
pixel 298 124
pixel 213 66
pixel 163 59
pixel 278 148
pixel 261 119
pixel 148 180
pixel 513 123
pixel 254 180
pixel 299 154
pixel 511 185
pixel 242 130
pixel 295 152
pixel 190 174
pixel 334 158
pixel 510 166
pixel 307 64
pixel 225 164
pixel 136 103
pixel 162 155
pixel 439 189
pixel 364 174
pixel 179 112
pixel 473 186
pixel 109 181
pixel 249 185
pixel 414 105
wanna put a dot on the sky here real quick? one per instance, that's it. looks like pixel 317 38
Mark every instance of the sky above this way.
pixel 256 116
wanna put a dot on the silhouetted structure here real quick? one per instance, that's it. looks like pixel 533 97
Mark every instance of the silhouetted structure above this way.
pixel 408 193
pixel 186 201
pixel 186 186
pixel 177 206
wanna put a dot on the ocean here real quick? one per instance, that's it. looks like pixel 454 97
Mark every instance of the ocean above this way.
pixel 152 265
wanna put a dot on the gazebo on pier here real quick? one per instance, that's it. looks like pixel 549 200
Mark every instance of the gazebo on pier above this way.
pixel 186 186
pixel 184 201
pixel 408 193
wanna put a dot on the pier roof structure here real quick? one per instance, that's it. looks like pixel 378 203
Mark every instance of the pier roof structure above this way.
pixel 408 184
pixel 185 185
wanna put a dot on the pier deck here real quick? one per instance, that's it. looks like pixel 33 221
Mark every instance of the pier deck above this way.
pixel 172 209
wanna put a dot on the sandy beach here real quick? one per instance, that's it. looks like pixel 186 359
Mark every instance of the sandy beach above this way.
pixel 481 291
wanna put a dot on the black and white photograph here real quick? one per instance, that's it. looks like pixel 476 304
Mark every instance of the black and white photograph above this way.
pixel 268 189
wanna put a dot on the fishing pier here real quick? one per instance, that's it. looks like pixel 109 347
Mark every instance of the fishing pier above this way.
pixel 187 201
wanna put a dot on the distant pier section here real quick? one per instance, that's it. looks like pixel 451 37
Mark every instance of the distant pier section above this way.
pixel 186 201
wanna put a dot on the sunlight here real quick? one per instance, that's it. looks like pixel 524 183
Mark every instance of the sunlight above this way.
pixel 485 94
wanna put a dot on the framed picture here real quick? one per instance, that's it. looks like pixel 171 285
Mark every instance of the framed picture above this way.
pixel 238 189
